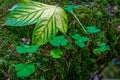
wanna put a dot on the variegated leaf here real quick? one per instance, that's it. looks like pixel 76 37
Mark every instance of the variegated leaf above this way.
pixel 24 14
pixel 52 20
pixel 48 20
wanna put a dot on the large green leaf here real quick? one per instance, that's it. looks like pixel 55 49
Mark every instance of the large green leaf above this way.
pixel 23 14
pixel 47 19
pixel 52 20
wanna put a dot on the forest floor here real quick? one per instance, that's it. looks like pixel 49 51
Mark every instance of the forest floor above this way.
pixel 76 63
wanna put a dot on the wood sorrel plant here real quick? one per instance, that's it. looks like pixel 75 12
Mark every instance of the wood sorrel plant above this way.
pixel 80 41
pixel 57 41
pixel 102 48
pixel 23 49
pixel 24 70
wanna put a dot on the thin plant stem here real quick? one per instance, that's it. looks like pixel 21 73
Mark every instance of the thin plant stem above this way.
pixel 79 22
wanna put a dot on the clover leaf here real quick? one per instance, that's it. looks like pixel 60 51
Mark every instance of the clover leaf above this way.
pixel 92 29
pixel 24 70
pixel 56 53
pixel 102 48
pixel 80 41
pixel 58 41
pixel 70 8
pixel 26 49
pixel 76 37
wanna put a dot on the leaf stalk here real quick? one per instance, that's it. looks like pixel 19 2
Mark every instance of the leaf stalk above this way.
pixel 79 22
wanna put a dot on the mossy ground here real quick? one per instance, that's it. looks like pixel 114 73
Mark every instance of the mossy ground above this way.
pixel 76 63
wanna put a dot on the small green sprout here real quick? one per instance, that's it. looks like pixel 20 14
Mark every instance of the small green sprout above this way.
pixel 56 53
pixel 24 70
pixel 92 29
pixel 102 48
pixel 26 49
pixel 70 8
pixel 80 41
pixel 58 41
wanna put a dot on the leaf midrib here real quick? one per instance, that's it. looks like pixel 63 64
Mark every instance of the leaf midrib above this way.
pixel 45 25
pixel 48 21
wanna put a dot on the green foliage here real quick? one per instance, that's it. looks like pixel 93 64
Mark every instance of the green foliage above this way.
pixel 68 67
pixel 80 41
pixel 47 19
pixel 58 41
pixel 25 0
pixel 78 37
pixel 102 48
pixel 56 53
pixel 92 29
pixel 24 70
pixel 70 8
pixel 26 49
